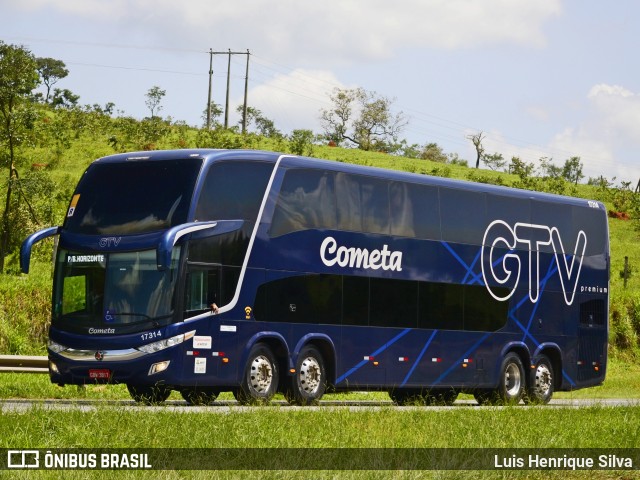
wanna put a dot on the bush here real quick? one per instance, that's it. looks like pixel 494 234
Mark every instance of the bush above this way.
pixel 301 142
pixel 25 312
pixel 624 330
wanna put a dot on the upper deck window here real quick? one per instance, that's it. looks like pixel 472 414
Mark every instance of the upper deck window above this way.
pixel 318 199
pixel 133 197
pixel 233 191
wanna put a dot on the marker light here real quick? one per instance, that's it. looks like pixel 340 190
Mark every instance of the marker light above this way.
pixel 166 343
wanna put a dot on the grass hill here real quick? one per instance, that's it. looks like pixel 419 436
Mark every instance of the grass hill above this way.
pixel 65 142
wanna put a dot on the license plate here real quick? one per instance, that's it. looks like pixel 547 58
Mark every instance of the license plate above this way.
pixel 100 374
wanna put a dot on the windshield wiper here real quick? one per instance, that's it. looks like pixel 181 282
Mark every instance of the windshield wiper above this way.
pixel 146 318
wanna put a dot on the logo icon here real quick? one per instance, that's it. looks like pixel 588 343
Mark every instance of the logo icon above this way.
pixel 99 356
pixel 247 311
pixel 23 459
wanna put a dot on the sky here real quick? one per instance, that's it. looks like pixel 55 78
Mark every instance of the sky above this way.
pixel 543 78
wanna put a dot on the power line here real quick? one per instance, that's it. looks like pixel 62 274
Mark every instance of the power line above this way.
pixel 106 45
pixel 139 69
pixel 428 125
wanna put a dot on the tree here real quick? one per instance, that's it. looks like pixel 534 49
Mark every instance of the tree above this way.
pixel 476 139
pixel 494 161
pixel 549 169
pixel 213 111
pixel 433 152
pixel 572 170
pixel 301 142
pixel 50 71
pixel 264 125
pixel 64 98
pixel 362 118
pixel 154 97
pixel 18 77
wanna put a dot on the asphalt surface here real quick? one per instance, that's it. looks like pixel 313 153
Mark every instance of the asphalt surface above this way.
pixel 228 406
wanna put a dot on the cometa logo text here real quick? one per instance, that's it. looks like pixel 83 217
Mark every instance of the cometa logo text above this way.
pixel 332 254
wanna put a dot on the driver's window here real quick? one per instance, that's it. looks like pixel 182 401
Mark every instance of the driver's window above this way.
pixel 202 289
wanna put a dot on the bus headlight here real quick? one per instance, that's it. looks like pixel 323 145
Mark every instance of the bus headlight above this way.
pixel 56 347
pixel 166 343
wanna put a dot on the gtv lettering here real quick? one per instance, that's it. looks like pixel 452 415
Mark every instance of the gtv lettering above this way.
pixel 109 241
pixel 502 266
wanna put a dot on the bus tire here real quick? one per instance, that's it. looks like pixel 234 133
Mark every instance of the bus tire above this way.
pixel 149 394
pixel 199 396
pixel 308 384
pixel 485 397
pixel 540 386
pixel 440 396
pixel 406 396
pixel 260 379
pixel 512 380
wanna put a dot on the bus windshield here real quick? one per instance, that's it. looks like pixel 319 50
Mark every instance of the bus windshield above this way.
pixel 123 292
pixel 133 197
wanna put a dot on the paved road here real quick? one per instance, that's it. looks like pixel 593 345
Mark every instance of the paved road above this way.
pixel 23 406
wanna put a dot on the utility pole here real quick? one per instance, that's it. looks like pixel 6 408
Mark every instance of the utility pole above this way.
pixel 226 105
pixel 209 96
pixel 246 87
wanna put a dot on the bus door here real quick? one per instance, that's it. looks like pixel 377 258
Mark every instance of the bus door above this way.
pixel 202 290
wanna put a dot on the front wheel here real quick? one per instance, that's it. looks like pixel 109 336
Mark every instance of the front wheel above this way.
pixel 149 394
pixel 199 396
pixel 309 382
pixel 260 379
pixel 540 388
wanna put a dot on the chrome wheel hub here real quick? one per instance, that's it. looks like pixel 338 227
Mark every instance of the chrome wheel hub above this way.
pixel 543 380
pixel 512 380
pixel 310 375
pixel 261 374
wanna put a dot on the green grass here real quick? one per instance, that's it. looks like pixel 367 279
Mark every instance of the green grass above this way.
pixel 273 427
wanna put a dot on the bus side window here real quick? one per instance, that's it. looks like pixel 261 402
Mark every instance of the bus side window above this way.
pixel 306 201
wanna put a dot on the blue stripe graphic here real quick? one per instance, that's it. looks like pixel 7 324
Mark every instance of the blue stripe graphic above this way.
pixel 377 352
pixel 415 364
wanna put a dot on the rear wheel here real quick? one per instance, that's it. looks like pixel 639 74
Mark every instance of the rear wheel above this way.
pixel 309 382
pixel 540 388
pixel 260 379
pixel 199 396
pixel 511 384
pixel 512 380
pixel 149 394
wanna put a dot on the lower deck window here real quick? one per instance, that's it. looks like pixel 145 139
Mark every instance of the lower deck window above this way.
pixel 380 302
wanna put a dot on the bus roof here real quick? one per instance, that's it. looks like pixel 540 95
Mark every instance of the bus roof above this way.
pixel 294 161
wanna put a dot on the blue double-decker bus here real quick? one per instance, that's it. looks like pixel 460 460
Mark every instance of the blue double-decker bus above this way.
pixel 205 271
